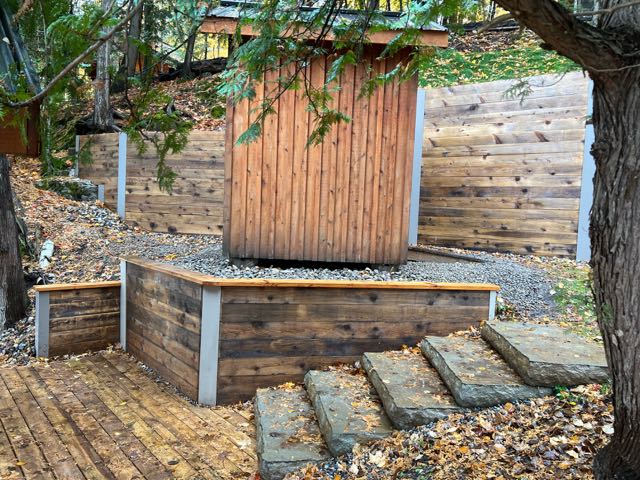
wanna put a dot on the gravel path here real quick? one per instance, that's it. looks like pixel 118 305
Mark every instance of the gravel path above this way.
pixel 526 289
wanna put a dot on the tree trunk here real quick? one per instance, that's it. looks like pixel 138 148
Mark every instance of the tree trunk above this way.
pixel 615 243
pixel 132 42
pixel 188 56
pixel 102 115
pixel 12 291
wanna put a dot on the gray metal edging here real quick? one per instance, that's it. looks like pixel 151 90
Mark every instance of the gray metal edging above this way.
pixel 42 324
pixel 583 247
pixel 123 304
pixel 122 174
pixel 101 193
pixel 209 345
pixel 414 208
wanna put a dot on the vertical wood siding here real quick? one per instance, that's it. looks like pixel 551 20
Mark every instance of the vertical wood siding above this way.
pixel 502 173
pixel 345 200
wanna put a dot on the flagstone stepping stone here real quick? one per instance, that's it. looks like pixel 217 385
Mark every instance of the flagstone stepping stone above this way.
pixel 476 375
pixel 410 389
pixel 348 409
pixel 547 355
pixel 288 435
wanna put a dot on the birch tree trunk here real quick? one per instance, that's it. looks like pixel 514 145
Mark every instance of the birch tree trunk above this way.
pixel 102 114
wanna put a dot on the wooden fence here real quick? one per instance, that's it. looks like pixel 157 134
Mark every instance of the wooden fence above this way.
pixel 498 173
pixel 220 339
pixel 76 317
pixel 502 173
pixel 195 202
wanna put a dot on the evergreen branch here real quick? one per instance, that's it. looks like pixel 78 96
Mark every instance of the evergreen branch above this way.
pixel 105 38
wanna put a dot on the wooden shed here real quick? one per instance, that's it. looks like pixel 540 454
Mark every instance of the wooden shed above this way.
pixel 346 200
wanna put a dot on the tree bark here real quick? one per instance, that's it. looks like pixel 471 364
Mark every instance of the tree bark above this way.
pixel 102 114
pixel 615 258
pixel 188 56
pixel 132 46
pixel 611 54
pixel 12 290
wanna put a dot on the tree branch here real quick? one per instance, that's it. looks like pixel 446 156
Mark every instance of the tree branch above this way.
pixel 594 49
pixel 105 38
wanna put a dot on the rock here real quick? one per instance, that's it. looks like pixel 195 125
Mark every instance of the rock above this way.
pixel 70 187
pixel 476 375
pixel 547 355
pixel 410 389
pixel 288 436
pixel 348 409
pixel 46 253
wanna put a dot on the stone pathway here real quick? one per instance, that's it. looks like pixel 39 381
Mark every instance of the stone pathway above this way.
pixel 511 362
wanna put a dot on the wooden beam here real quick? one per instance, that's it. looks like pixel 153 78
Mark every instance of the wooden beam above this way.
pixel 58 287
pixel 434 38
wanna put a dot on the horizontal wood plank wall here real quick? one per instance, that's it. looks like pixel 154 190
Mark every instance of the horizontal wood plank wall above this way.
pixel 163 325
pixel 346 200
pixel 501 173
pixel 101 166
pixel 84 319
pixel 195 203
pixel 272 335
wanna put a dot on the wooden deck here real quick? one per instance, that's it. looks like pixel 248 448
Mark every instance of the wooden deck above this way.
pixel 102 416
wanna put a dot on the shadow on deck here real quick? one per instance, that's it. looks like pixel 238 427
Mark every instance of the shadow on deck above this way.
pixel 103 416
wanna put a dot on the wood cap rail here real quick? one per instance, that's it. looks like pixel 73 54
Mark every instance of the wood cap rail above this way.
pixel 210 280
pixel 59 287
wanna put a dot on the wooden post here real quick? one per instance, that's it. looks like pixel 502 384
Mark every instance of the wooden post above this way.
pixel 122 174
pixel 123 304
pixel 414 209
pixel 42 324
pixel 209 343
pixel 583 247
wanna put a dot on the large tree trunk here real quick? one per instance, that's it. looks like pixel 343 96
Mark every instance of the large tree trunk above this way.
pixel 615 243
pixel 132 42
pixel 188 56
pixel 12 290
pixel 102 114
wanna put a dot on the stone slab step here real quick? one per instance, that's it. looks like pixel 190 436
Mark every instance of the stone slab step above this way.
pixel 288 435
pixel 348 409
pixel 410 389
pixel 547 355
pixel 476 375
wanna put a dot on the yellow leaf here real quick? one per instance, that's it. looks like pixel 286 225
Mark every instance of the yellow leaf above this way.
pixel 464 449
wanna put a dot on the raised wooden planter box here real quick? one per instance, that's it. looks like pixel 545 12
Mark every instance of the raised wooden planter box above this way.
pixel 76 317
pixel 218 340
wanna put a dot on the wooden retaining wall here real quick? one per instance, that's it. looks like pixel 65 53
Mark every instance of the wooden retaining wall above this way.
pixel 195 203
pixel 220 339
pixel 504 174
pixel 76 318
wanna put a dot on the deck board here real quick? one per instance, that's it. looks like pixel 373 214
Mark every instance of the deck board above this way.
pixel 103 416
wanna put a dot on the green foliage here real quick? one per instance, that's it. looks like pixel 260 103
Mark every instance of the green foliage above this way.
pixel 450 67
pixel 154 123
pixel 207 93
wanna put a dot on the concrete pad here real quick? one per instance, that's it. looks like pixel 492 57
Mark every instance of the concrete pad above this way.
pixel 410 389
pixel 476 375
pixel 288 435
pixel 547 355
pixel 348 409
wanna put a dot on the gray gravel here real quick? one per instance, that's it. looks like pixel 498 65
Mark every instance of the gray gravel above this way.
pixel 526 289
